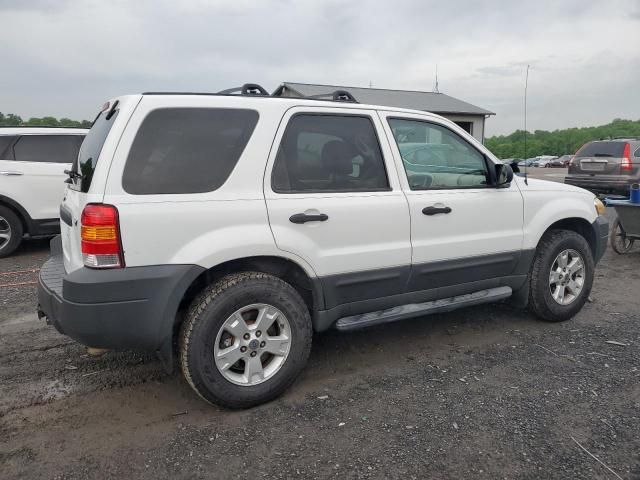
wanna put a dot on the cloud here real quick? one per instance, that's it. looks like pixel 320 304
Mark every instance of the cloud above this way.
pixel 66 57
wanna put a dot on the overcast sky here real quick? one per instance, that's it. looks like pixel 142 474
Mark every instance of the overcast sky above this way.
pixel 65 58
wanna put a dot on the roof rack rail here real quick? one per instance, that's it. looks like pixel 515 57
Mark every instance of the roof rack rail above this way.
pixel 624 137
pixel 255 90
pixel 337 96
pixel 246 89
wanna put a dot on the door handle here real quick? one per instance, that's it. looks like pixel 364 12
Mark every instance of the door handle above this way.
pixel 11 173
pixel 435 210
pixel 304 218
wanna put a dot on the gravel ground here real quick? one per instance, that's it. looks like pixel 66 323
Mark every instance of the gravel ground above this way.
pixel 487 392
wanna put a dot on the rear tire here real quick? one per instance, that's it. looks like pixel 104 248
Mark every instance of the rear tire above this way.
pixel 10 231
pixel 556 291
pixel 227 316
pixel 620 243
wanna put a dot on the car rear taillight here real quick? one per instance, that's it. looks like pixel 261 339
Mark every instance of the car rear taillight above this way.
pixel 100 234
pixel 626 158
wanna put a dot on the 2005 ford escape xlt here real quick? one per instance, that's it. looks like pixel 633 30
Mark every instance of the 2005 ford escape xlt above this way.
pixel 233 226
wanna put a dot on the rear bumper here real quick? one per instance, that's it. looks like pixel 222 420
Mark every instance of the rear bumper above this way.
pixel 601 184
pixel 129 308
pixel 601 235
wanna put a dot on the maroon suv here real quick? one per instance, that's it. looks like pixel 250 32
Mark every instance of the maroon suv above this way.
pixel 606 166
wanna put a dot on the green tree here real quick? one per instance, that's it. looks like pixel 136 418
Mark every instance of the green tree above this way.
pixel 11 120
pixel 558 142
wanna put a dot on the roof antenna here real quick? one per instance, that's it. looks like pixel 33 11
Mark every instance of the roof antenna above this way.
pixel 435 87
pixel 370 84
pixel 526 82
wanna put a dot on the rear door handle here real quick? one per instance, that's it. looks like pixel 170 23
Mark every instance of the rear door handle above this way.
pixel 435 210
pixel 304 218
pixel 11 173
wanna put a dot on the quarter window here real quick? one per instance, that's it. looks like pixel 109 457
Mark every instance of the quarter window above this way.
pixel 437 158
pixel 47 148
pixel 187 150
pixel 329 153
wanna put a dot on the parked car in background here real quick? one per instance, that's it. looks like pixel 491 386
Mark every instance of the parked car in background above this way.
pixel 33 161
pixel 606 166
pixel 562 161
pixel 543 161
pixel 510 161
pixel 528 162
pixel 234 227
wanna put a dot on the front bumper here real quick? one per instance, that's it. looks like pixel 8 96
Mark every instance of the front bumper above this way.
pixel 128 308
pixel 601 235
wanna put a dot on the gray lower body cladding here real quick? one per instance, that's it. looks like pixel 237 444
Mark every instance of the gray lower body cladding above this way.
pixel 127 308
pixel 363 292
pixel 136 307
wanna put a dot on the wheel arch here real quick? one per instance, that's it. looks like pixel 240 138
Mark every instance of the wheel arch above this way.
pixel 292 272
pixel 288 270
pixel 578 225
pixel 19 210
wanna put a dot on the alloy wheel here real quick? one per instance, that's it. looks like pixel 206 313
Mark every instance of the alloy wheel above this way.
pixel 567 276
pixel 252 344
pixel 5 232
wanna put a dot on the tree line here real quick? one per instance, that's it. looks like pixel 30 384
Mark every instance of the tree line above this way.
pixel 12 120
pixel 558 142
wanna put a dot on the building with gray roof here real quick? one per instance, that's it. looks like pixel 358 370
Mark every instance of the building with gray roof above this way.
pixel 470 117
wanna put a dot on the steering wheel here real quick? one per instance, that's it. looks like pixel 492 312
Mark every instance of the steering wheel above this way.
pixel 430 157
pixel 427 180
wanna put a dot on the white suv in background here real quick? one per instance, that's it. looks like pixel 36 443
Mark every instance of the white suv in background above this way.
pixel 231 227
pixel 33 161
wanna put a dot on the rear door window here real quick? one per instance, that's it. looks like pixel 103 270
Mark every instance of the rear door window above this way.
pixel 602 149
pixel 187 150
pixel 46 148
pixel 329 153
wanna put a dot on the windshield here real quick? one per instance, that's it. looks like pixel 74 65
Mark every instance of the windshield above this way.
pixel 90 150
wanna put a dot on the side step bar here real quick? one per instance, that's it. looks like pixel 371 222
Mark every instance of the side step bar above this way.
pixel 416 309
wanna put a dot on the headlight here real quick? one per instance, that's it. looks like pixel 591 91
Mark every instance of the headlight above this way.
pixel 600 208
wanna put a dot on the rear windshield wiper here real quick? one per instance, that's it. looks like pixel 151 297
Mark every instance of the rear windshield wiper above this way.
pixel 602 155
pixel 73 174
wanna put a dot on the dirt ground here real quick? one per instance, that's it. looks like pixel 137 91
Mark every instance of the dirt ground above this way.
pixel 486 392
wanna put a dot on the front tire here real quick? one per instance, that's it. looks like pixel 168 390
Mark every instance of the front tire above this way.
pixel 245 340
pixel 561 276
pixel 10 232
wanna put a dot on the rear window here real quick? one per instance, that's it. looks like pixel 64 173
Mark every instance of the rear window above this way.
pixel 602 149
pixel 47 148
pixel 187 150
pixel 90 150
pixel 5 151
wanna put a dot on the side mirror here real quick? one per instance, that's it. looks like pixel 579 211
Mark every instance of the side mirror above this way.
pixel 504 175
pixel 515 167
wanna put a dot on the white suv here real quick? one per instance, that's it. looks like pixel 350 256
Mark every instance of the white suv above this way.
pixel 233 226
pixel 32 165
